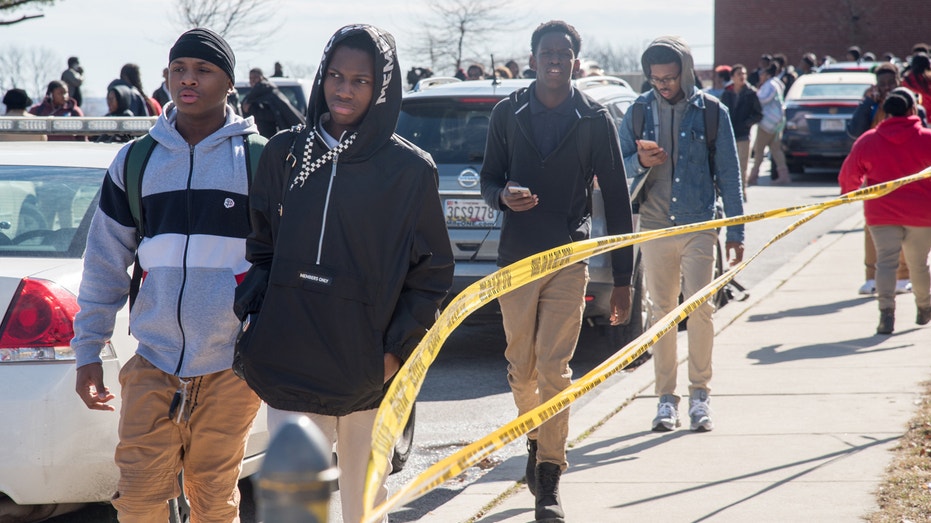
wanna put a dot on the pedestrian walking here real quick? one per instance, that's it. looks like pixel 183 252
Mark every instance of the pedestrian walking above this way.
pixel 678 185
pixel 351 257
pixel 546 143
pixel 897 147
pixel 182 408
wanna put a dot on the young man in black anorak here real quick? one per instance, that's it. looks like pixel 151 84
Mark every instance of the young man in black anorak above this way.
pixel 351 257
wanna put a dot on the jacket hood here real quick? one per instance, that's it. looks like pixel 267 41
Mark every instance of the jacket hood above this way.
pixel 681 48
pixel 899 129
pixel 166 134
pixel 123 98
pixel 379 122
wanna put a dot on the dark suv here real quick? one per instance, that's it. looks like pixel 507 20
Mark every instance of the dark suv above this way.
pixel 449 119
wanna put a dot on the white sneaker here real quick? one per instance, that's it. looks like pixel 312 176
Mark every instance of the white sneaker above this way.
pixel 903 286
pixel 667 414
pixel 868 288
pixel 700 412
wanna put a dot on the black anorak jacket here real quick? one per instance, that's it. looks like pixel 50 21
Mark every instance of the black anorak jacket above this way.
pixel 349 265
pixel 563 181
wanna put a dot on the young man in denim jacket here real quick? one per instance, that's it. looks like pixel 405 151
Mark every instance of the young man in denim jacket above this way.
pixel 674 185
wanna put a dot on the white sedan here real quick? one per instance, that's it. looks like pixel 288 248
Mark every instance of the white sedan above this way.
pixel 55 451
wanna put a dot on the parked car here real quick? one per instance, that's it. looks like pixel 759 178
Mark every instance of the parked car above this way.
pixel 838 67
pixel 818 107
pixel 296 89
pixel 449 119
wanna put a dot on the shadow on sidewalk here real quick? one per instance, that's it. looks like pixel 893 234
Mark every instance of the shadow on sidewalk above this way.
pixel 769 354
pixel 814 463
pixel 594 455
pixel 812 310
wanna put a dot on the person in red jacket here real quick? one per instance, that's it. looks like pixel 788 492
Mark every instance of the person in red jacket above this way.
pixel 901 220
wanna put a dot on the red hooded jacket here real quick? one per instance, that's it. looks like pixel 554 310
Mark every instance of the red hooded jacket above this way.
pixel 898 147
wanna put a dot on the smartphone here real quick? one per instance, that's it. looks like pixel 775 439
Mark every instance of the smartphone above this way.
pixel 517 189
pixel 647 144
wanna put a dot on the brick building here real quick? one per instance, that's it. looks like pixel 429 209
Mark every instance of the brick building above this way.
pixel 745 29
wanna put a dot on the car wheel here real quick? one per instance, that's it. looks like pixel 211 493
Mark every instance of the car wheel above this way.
pixel 405 444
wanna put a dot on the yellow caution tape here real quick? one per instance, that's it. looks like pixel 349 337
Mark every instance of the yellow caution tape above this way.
pixel 396 407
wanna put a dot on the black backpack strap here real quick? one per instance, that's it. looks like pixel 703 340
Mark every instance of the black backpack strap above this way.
pixel 584 141
pixel 711 129
pixel 254 144
pixel 638 114
pixel 137 156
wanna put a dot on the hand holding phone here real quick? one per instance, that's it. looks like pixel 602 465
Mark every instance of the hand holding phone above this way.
pixel 519 190
pixel 646 145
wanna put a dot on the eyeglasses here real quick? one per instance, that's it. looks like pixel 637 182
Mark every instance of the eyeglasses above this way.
pixel 664 81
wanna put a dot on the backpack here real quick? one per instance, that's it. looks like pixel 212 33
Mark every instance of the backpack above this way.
pixel 137 157
pixel 711 125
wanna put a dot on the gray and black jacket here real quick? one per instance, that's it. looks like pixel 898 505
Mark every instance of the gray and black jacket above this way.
pixel 195 207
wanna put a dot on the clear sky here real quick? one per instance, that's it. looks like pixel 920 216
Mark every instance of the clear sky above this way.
pixel 105 34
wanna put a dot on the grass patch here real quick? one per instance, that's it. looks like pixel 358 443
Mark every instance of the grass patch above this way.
pixel 904 496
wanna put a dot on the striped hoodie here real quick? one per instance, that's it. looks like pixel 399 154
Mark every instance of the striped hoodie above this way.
pixel 195 205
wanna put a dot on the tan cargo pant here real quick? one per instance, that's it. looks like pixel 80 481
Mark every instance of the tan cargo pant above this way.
pixel 542 321
pixel 685 262
pixel 208 443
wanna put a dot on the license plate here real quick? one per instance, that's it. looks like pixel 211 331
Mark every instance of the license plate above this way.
pixel 834 125
pixel 469 213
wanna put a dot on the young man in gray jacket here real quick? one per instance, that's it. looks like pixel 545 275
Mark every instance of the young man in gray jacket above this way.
pixel 182 406
pixel 674 185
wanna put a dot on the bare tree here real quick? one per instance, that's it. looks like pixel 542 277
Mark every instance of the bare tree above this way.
pixel 13 5
pixel 29 68
pixel 613 59
pixel 458 29
pixel 243 23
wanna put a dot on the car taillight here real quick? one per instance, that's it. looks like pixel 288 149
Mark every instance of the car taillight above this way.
pixel 39 324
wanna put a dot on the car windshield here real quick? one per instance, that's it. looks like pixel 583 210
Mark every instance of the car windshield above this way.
pixel 452 131
pixel 834 91
pixel 45 211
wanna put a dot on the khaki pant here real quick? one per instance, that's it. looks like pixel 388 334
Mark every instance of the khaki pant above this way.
pixel 774 142
pixel 542 321
pixel 915 244
pixel 209 445
pixel 869 258
pixel 682 263
pixel 351 436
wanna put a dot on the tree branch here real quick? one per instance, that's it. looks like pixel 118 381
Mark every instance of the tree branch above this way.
pixel 21 19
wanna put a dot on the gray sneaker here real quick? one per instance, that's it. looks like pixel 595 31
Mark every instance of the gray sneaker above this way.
pixel 667 414
pixel 700 411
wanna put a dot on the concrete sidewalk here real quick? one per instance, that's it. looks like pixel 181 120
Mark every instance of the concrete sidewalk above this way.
pixel 808 402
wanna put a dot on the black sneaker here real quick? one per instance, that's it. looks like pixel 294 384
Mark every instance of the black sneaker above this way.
pixel 548 508
pixel 531 472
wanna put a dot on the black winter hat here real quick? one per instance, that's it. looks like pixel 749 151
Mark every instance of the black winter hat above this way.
pixel 205 44
pixel 16 99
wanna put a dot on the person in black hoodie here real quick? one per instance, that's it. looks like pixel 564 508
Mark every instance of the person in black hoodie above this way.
pixel 269 106
pixel 553 140
pixel 351 257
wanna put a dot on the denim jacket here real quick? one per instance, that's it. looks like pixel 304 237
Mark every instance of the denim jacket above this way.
pixel 694 189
